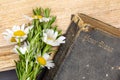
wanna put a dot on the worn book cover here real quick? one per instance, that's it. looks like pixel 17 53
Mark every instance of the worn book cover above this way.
pixel 91 52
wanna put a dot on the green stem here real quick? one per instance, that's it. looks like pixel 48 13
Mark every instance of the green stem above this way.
pixel 19 43
pixel 46 48
pixel 26 65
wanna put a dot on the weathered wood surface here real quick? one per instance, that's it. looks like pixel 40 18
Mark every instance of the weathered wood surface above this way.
pixel 12 11
pixel 91 56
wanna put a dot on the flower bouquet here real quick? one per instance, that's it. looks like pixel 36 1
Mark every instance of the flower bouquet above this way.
pixel 34 43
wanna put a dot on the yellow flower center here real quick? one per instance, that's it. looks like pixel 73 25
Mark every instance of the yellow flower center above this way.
pixel 37 17
pixel 19 33
pixel 13 39
pixel 50 38
pixel 41 60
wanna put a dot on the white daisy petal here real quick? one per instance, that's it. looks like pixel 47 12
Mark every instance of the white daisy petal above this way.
pixel 55 35
pixel 14 28
pixel 23 48
pixel 23 27
pixel 41 20
pixel 28 28
pixel 9 31
pixel 5 33
pixel 61 39
pixel 17 32
pixel 44 19
pixel 6 37
pixel 50 37
pixel 27 17
pixel 50 64
pixel 45 37
pixel 55 43
pixel 17 28
pixel 46 56
pixel 15 49
pixel 21 38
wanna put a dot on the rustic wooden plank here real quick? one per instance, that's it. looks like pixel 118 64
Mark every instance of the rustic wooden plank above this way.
pixel 9 61
pixel 12 11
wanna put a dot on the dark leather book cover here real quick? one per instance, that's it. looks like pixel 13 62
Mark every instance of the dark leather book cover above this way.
pixel 93 55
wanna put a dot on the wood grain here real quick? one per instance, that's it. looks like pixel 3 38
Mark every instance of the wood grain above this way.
pixel 12 11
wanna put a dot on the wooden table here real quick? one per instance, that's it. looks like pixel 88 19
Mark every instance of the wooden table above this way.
pixel 12 11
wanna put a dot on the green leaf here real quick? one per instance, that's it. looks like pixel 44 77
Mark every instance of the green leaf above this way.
pixel 52 20
pixel 47 12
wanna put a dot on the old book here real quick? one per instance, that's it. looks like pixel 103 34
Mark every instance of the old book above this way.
pixel 91 52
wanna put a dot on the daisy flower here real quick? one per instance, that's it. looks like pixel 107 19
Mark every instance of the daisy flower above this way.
pixel 50 37
pixel 8 35
pixel 45 61
pixel 41 18
pixel 16 33
pixel 23 48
